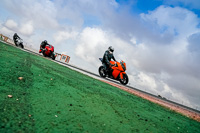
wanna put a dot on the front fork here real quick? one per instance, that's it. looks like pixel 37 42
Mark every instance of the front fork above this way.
pixel 121 75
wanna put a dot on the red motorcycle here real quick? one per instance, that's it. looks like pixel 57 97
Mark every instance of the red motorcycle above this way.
pixel 48 52
pixel 117 73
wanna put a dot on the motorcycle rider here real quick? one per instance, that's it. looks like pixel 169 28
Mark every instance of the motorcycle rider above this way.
pixel 15 37
pixel 108 55
pixel 43 45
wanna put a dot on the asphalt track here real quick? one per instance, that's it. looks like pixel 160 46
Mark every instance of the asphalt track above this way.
pixel 110 81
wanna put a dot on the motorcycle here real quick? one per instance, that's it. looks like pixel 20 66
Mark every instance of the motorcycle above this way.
pixel 19 43
pixel 117 73
pixel 48 52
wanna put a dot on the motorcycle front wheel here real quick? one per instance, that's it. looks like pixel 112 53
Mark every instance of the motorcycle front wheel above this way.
pixel 124 81
pixel 102 71
pixel 21 45
pixel 53 56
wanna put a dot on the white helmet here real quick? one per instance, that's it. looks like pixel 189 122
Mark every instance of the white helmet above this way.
pixel 111 49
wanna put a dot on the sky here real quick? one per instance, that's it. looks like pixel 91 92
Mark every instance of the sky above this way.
pixel 158 39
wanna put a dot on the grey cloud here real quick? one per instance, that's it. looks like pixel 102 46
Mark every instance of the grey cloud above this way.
pixel 187 85
pixel 194 43
pixel 193 62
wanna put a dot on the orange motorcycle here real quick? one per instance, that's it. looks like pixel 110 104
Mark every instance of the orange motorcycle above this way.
pixel 117 71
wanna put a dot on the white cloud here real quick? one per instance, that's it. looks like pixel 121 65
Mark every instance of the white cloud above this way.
pixel 11 24
pixel 147 81
pixel 11 27
pixel 6 31
pixel 173 20
pixel 26 29
pixel 157 57
pixel 8 27
pixel 91 44
pixel 173 58
pixel 41 13
pixel 64 35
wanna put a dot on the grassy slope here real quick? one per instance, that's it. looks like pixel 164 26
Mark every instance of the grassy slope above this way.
pixel 62 100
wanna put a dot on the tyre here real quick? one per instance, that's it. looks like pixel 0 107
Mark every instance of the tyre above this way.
pixel 124 81
pixel 21 45
pixel 53 56
pixel 102 71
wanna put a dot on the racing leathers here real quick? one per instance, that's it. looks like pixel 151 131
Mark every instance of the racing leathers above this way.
pixel 15 37
pixel 43 45
pixel 106 60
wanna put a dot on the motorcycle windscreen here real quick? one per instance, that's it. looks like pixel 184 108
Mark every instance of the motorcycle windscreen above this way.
pixel 115 73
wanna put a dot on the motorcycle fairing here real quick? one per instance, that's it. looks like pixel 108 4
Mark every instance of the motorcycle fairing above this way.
pixel 50 49
pixel 117 70
pixel 115 73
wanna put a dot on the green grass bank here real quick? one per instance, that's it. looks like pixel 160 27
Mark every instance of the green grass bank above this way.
pixel 52 98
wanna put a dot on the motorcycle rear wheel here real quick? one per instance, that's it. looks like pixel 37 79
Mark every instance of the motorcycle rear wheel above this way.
pixel 102 71
pixel 124 81
pixel 15 44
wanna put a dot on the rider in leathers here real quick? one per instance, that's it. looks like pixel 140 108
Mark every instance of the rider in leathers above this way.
pixel 108 55
pixel 42 46
pixel 15 37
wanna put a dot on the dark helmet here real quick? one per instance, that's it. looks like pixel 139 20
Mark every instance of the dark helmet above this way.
pixel 15 34
pixel 45 41
pixel 111 49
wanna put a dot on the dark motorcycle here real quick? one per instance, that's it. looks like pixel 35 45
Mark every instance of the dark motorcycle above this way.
pixel 19 43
